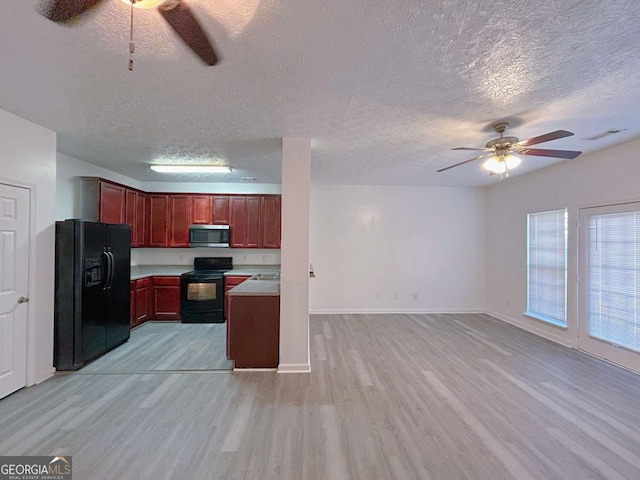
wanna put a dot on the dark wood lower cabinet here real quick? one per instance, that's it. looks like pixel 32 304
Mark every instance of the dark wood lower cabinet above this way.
pixel 253 331
pixel 166 298
pixel 132 304
pixel 231 281
pixel 155 298
pixel 143 296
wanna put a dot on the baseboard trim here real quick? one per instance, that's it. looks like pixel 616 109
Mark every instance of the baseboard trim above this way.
pixel 255 369
pixel 322 311
pixel 532 329
pixel 294 368
pixel 41 378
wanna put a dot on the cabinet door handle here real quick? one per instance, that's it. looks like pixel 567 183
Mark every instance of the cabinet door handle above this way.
pixel 23 300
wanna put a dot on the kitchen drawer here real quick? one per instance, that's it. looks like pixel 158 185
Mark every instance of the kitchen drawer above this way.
pixel 232 281
pixel 143 282
pixel 166 281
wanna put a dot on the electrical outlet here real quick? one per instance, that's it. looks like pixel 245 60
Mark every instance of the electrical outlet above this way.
pixel 396 296
pixel 377 296
pixel 415 295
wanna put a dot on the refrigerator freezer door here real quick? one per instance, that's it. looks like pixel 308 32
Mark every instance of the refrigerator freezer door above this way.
pixel 117 296
pixel 90 248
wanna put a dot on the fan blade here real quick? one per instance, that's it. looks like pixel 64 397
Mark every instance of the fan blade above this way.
pixel 547 137
pixel 181 19
pixel 540 152
pixel 65 10
pixel 469 148
pixel 461 163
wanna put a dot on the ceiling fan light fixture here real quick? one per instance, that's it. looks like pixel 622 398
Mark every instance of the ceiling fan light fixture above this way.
pixel 500 164
pixel 144 3
pixel 191 168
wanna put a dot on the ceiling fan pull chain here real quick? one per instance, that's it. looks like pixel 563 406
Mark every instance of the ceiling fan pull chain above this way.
pixel 131 43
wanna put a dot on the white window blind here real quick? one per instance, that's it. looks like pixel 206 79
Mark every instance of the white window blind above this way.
pixel 547 266
pixel 613 278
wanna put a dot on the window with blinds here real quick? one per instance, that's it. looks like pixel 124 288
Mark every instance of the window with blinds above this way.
pixel 613 278
pixel 547 266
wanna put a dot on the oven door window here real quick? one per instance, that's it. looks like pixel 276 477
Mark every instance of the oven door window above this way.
pixel 201 292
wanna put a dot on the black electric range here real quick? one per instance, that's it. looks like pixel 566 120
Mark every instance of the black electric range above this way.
pixel 202 290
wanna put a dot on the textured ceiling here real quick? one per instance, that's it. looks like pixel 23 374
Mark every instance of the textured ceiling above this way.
pixel 384 88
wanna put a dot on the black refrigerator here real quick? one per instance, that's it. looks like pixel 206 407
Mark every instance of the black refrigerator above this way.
pixel 92 278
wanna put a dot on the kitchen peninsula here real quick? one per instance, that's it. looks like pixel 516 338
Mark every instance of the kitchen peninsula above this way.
pixel 253 322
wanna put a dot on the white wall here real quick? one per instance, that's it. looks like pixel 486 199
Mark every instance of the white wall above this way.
pixel 68 168
pixel 398 249
pixel 607 176
pixel 28 158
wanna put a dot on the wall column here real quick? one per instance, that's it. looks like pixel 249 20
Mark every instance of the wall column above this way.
pixel 294 294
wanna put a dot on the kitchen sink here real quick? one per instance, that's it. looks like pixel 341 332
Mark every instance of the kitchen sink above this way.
pixel 265 276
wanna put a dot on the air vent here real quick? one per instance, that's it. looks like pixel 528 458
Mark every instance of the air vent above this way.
pixel 250 179
pixel 611 131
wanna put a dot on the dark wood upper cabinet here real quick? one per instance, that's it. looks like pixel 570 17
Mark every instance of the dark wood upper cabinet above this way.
pixel 238 221
pixel 131 214
pixel 158 220
pixel 271 219
pixel 221 210
pixel 179 217
pixel 112 203
pixel 200 209
pixel 141 230
pixel 163 219
pixel 135 216
pixel 254 223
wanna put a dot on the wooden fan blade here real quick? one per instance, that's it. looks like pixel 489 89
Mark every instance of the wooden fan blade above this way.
pixel 461 163
pixel 547 137
pixel 470 148
pixel 65 10
pixel 540 152
pixel 181 19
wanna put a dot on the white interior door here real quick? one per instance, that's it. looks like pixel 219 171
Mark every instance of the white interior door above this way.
pixel 609 273
pixel 14 267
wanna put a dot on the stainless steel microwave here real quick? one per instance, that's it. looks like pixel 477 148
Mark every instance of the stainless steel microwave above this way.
pixel 209 235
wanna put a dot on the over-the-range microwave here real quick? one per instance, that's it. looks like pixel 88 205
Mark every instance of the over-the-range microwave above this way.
pixel 209 235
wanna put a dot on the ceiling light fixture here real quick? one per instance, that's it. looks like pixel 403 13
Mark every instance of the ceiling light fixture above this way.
pixel 191 168
pixel 143 3
pixel 502 164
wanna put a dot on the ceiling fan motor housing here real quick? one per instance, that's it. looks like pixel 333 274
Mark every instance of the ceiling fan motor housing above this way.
pixel 502 142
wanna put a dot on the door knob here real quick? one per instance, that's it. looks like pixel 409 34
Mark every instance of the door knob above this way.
pixel 23 299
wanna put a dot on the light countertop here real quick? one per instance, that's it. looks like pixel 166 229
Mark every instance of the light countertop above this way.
pixel 143 271
pixel 256 288
pixel 250 270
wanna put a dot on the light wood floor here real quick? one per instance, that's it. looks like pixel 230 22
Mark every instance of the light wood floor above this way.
pixel 167 346
pixel 389 397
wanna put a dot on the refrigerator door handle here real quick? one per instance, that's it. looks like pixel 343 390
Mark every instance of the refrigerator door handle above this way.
pixel 108 275
pixel 105 283
pixel 112 270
